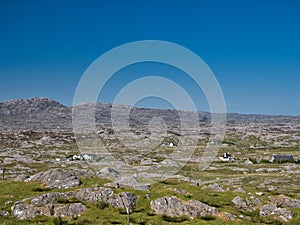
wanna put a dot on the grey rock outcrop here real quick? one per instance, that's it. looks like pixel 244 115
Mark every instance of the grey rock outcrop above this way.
pixel 214 187
pixel 22 210
pixel 284 201
pixel 109 173
pixel 49 205
pixel 248 205
pixel 175 207
pixel 271 209
pixel 57 178
pixel 240 203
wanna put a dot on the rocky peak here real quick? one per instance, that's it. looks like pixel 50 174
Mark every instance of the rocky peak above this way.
pixel 29 106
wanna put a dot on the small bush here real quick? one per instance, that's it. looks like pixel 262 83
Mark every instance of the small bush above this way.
pixel 285 161
pixel 173 219
pixel 62 201
pixel 254 161
pixel 67 200
pixel 101 205
pixel 41 189
pixel 58 221
pixel 84 221
pixel 264 161
pixel 208 217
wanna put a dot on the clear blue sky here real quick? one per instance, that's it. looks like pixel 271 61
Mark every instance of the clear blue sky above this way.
pixel 253 47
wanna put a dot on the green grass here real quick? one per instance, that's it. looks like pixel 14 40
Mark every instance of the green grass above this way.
pixel 101 213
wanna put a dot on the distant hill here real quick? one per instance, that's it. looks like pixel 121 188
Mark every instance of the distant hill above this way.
pixel 41 113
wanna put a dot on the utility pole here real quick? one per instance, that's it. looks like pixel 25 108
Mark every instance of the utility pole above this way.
pixel 129 202
pixel 2 170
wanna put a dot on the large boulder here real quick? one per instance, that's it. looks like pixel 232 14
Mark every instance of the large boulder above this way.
pixel 94 194
pixel 240 203
pixel 249 204
pixel 214 187
pixel 285 201
pixel 271 209
pixel 21 210
pixel 175 207
pixel 57 178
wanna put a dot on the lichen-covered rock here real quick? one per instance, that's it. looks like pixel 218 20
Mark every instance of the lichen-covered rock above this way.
pixel 49 198
pixel 57 178
pixel 175 207
pixel 240 203
pixel 214 187
pixel 48 204
pixel 285 201
pixel 248 205
pixel 22 210
pixel 94 194
pixel 69 209
pixel 271 209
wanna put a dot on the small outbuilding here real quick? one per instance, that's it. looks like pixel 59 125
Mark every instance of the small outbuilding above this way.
pixel 282 158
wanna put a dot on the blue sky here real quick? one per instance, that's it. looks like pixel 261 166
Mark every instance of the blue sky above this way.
pixel 252 47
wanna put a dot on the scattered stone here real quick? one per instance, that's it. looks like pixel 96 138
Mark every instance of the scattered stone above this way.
pixel 4 213
pixel 240 190
pixel 248 162
pixel 179 191
pixel 230 216
pixel 266 170
pixel 8 203
pixel 214 187
pixel 175 207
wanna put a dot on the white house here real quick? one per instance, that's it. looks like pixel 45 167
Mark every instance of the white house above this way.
pixel 77 157
pixel 88 156
pixel 226 157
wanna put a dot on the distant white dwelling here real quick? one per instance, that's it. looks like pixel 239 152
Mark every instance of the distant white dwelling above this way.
pixel 88 156
pixel 226 157
pixel 77 157
pixel 169 144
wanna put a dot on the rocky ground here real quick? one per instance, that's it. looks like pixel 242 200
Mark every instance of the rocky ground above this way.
pixel 42 182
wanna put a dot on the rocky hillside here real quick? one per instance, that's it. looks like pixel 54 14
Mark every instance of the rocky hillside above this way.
pixel 44 113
